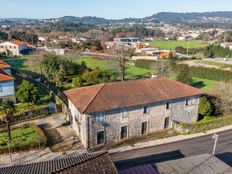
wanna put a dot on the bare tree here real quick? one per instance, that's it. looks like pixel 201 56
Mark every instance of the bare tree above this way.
pixel 223 101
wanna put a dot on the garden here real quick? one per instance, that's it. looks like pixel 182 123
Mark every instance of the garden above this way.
pixel 23 138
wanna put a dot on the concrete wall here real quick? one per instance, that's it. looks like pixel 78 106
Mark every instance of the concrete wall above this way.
pixel 7 88
pixel 178 111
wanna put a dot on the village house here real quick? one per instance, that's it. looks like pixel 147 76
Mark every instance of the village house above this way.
pixel 109 112
pixel 16 48
pixel 7 90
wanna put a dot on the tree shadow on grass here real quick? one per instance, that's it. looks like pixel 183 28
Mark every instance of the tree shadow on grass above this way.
pixel 199 84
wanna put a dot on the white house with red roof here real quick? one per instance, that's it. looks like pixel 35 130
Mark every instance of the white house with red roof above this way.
pixel 7 89
pixel 15 47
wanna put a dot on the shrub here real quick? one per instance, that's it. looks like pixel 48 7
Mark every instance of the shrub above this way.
pixel 205 107
pixel 205 125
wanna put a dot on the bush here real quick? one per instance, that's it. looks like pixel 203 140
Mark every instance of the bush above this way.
pixel 205 107
pixel 205 125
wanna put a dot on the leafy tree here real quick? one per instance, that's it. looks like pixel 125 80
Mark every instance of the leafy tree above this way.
pixel 77 82
pixel 7 109
pixel 27 93
pixel 205 107
pixel 184 75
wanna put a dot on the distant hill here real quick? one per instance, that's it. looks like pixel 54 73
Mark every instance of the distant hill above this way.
pixel 215 18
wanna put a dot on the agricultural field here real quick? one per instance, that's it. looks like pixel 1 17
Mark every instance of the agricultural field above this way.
pixel 172 44
pixel 131 70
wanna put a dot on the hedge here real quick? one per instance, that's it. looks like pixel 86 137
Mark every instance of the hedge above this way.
pixel 191 128
pixel 206 73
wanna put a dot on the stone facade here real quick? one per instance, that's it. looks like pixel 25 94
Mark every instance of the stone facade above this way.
pixel 178 110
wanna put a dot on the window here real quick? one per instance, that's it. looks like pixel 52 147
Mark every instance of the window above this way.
pixel 1 88
pixel 166 122
pixel 144 128
pixel 14 47
pixel 168 105
pixel 125 113
pixel 124 132
pixel 2 46
pixel 100 137
pixel 146 110
pixel 187 102
pixel 100 118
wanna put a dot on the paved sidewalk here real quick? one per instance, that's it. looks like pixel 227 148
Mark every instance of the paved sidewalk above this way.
pixel 167 140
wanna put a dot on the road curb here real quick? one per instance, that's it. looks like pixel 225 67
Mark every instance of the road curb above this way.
pixel 167 140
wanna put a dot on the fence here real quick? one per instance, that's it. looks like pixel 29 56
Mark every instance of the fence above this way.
pixel 34 114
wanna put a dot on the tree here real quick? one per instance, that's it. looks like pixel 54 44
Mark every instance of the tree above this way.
pixel 7 109
pixel 205 107
pixel 184 75
pixel 77 82
pixel 223 102
pixel 27 93
pixel 163 68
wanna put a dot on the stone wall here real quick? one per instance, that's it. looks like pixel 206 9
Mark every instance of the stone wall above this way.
pixel 178 112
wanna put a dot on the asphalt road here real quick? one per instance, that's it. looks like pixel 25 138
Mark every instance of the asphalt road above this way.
pixel 195 146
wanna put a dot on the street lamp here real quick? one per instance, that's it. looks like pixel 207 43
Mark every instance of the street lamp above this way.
pixel 215 138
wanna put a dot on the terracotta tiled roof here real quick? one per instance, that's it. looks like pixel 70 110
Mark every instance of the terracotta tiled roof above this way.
pixel 18 42
pixel 97 163
pixel 117 95
pixel 4 65
pixel 4 76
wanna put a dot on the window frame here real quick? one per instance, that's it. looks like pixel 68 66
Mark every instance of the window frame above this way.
pixel 168 104
pixel 125 113
pixel 100 115
pixel 103 140
pixel 147 110
pixel 144 133
pixel 126 132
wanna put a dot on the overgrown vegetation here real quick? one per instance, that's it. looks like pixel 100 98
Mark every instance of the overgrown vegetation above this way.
pixel 23 138
pixel 218 51
pixel 206 124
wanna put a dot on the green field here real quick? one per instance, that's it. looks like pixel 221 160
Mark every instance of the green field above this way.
pixel 172 44
pixel 204 84
pixel 131 70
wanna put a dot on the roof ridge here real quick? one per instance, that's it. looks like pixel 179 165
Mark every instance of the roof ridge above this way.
pixel 103 85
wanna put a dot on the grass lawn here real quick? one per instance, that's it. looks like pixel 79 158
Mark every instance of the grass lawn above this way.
pixel 17 63
pixel 173 44
pixel 25 136
pixel 217 64
pixel 204 84
pixel 131 72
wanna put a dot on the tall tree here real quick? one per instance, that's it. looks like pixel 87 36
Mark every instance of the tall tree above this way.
pixel 7 109
pixel 27 93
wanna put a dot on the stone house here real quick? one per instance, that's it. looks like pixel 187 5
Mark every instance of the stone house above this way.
pixel 109 112
pixel 7 89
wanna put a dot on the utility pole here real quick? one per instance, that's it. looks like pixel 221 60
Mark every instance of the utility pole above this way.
pixel 215 138
pixel 188 47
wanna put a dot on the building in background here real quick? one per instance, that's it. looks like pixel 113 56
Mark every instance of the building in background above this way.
pixel 16 48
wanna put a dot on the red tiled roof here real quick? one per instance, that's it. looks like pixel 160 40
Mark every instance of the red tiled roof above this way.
pixel 116 95
pixel 4 65
pixel 18 42
pixel 4 76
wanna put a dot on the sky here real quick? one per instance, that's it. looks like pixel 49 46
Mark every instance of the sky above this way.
pixel 110 9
